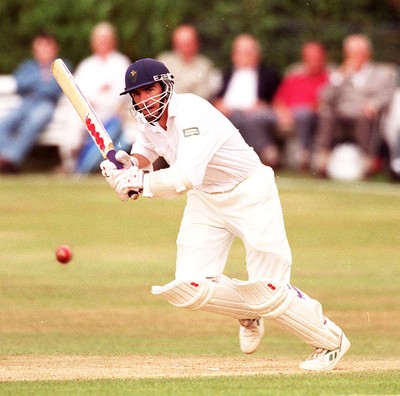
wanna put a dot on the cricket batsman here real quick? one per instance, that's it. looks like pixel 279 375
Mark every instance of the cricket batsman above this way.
pixel 230 193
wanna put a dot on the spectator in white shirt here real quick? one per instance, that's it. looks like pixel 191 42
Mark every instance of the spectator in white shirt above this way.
pixel 100 77
pixel 245 97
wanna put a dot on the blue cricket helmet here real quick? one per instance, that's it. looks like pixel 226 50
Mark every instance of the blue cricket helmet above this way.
pixel 145 72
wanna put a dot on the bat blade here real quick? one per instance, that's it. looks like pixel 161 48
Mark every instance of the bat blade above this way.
pixel 92 123
pixel 83 107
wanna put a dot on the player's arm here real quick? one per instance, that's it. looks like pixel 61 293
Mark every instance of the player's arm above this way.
pixel 142 161
pixel 164 183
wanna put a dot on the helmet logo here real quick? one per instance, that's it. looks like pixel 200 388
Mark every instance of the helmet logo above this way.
pixel 133 76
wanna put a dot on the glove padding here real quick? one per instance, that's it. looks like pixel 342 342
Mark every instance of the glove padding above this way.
pixel 125 159
pixel 111 173
pixel 127 180
pixel 107 167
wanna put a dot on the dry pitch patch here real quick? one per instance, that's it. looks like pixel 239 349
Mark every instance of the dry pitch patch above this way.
pixel 35 368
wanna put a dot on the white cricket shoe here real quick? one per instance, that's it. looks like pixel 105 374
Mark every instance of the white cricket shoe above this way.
pixel 250 334
pixel 324 360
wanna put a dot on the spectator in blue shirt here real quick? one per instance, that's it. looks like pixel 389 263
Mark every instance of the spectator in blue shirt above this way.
pixel 39 94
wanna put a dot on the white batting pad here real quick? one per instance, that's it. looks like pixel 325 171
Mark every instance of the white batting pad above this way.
pixel 207 295
pixel 296 311
pixel 268 299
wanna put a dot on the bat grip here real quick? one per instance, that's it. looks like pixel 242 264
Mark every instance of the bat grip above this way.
pixel 111 157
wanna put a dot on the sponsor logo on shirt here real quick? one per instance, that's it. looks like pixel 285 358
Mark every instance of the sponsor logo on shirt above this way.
pixel 191 131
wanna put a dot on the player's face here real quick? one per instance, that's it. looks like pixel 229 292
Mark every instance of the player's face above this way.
pixel 147 100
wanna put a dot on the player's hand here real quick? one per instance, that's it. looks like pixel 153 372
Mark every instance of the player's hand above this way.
pixel 125 159
pixel 128 180
pixel 107 167
pixel 121 156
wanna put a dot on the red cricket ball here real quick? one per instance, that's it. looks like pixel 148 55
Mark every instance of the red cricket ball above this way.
pixel 63 254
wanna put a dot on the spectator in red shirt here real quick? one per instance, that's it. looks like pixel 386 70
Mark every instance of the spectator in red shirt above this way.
pixel 296 100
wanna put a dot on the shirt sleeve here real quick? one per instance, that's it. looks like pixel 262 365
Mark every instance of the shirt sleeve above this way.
pixel 143 146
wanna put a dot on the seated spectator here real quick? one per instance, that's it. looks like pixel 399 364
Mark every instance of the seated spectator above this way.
pixel 100 77
pixel 296 100
pixel 391 129
pixel 247 90
pixel 193 72
pixel 39 94
pixel 353 101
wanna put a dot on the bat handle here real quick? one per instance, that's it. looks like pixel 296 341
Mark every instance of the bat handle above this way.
pixel 111 157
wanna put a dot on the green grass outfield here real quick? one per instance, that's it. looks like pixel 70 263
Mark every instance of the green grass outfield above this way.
pixel 93 327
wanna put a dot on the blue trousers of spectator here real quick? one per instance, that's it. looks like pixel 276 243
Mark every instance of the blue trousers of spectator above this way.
pixel 20 129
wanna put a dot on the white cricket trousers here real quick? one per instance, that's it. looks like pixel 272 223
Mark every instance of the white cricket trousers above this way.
pixel 252 212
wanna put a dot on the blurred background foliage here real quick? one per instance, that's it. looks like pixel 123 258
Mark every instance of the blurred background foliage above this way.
pixel 145 26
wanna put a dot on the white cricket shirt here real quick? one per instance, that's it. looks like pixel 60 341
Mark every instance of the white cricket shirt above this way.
pixel 201 142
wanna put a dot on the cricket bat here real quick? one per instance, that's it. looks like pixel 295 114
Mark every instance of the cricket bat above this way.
pixel 85 110
pixel 92 123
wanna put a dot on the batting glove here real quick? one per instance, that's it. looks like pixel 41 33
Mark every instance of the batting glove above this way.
pixel 128 180
pixel 125 159
pixel 107 167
